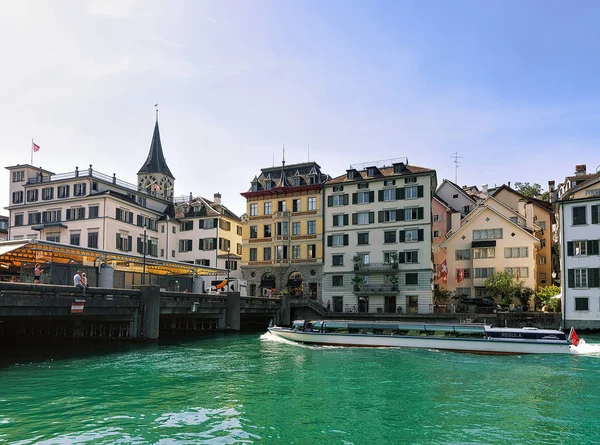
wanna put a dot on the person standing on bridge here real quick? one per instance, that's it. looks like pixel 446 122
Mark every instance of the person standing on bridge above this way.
pixel 37 274
pixel 77 281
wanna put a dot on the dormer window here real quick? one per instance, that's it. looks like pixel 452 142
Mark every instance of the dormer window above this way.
pixel 351 174
pixel 296 182
pixel 254 186
pixel 268 185
pixel 312 179
pixel 399 167
pixel 371 172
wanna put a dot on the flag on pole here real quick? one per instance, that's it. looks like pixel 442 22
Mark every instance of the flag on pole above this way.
pixel 460 275
pixel 36 147
pixel 442 271
pixel 574 337
pixel 518 274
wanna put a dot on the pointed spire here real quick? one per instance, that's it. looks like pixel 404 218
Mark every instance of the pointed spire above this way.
pixel 284 181
pixel 156 163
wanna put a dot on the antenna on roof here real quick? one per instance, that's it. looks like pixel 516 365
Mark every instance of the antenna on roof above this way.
pixel 308 152
pixel 456 158
pixel 283 160
pixel 273 157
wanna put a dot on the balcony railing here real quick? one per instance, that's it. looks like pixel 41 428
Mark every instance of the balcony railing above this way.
pixel 370 289
pixel 373 267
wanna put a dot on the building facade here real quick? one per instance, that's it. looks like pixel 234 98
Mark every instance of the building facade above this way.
pixel 378 249
pixel 441 217
pixel 579 213
pixel 282 237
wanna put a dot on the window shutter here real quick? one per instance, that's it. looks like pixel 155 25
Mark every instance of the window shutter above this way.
pixel 346 199
pixel 329 201
pixel 415 257
pixel 68 214
pixel 58 215
pixel 118 243
pixel 354 218
pixel 139 220
pixel 371 217
pixel 83 213
pixel 83 188
pixel 345 219
pixel 420 191
pixel 380 195
pixel 118 215
pixel 570 248
pixel 400 193
pixel 400 215
pixel 401 257
pixel 130 217
pixel 140 245
pixel 420 235
pixel 593 277
pixel 329 240
pixel 214 243
pixel 571 278
pixel 592 247
pixel 200 244
pixel 371 196
pixel 129 247
pixel 420 213
pixel 595 219
pixel 402 237
pixel 335 221
pixel 44 216
pixel 346 241
pixel 354 198
pixel 380 216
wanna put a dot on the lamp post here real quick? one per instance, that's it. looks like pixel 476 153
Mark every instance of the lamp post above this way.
pixel 144 264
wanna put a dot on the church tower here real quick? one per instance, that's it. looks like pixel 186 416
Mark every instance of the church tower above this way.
pixel 155 177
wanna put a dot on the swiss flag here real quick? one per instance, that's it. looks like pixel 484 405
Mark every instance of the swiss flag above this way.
pixel 36 147
pixel 574 337
pixel 442 270
pixel 461 275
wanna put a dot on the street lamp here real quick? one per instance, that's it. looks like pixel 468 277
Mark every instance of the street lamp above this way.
pixel 144 267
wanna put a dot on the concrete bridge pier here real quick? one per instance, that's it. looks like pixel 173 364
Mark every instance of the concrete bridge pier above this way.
pixel 232 312
pixel 149 313
pixel 284 314
pixel 106 277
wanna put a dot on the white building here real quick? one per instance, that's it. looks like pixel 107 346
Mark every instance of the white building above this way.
pixel 456 197
pixel 579 213
pixel 377 254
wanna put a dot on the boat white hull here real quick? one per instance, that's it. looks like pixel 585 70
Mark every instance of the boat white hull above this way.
pixel 476 346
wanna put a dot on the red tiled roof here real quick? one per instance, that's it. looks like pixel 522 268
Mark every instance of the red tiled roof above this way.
pixel 383 172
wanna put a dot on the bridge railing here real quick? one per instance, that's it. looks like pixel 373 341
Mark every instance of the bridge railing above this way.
pixel 54 290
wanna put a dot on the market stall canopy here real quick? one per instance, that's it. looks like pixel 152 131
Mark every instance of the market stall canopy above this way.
pixel 16 253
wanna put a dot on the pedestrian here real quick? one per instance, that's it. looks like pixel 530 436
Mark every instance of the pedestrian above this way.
pixel 84 280
pixel 328 305
pixel 37 274
pixel 77 282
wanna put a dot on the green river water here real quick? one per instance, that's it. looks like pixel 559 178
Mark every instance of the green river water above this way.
pixel 249 388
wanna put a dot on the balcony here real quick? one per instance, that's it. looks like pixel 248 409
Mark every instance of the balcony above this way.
pixel 279 215
pixel 376 289
pixel 376 267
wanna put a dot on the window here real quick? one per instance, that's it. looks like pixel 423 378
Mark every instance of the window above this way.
pixel 387 215
pixel 281 253
pixel 225 225
pixel 295 252
pixel 197 262
pixel 365 258
pixel 410 235
pixel 389 195
pixel 465 209
pixel 75 213
pixel 297 205
pixel 340 220
pixel 413 213
pixel 516 252
pixel 411 256
pixel 436 234
pixel 484 252
pixel 363 185
pixel 311 227
pixel 436 217
pixel 94 211
pixel 185 245
pixel 409 180
pixel 389 236
pixel 62 191
pixel 411 192
pixel 207 244
pixel 51 216
pixel 338 188
pixel 238 248
pixel 579 248
pixel 455 196
pixel 466 273
pixel 207 224
pixel 123 242
pixel 75 238
pixel 53 236
pixel 463 254
pixel 93 240
pixel 296 228
pixel 281 206
pixel 267 251
pixel 362 218
pixel 18 176
pixel 253 209
pixel 363 238
pixel 47 193
pixel 463 291
pixel 487 234
pixel 34 218
pixel 32 195
pixel 296 182
pixel 514 219
pixel 542 259
pixel 267 231
pixel 412 278
pixel 582 304
pixel 268 208
pixel 337 200
pixel 253 254
pixel 362 197
pixel 184 227
pixel 79 189
pixel 337 260
pixel 389 182
pixel 484 272
pixel 596 211
pixel 17 197
pixel 253 232
pixel 579 214
pixel 19 220
pixel 579 278
pixel 390 257
pixel 337 280
pixel 542 225
pixel 282 228
pixel 371 171
pixel 338 240
pixel 311 250
pixel 312 203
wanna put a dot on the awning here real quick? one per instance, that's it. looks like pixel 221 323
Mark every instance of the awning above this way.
pixel 267 283
pixel 488 243
pixel 5 248
pixel 294 283
pixel 49 225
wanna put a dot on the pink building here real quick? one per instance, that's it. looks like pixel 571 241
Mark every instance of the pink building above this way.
pixel 441 222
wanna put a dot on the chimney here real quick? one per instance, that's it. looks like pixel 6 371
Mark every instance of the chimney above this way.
pixel 529 215
pixel 217 199
pixel 455 224
pixel 484 189
pixel 580 169
pixel 191 197
pixel 521 207
pixel 551 186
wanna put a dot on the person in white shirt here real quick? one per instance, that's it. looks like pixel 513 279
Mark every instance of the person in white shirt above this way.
pixel 77 281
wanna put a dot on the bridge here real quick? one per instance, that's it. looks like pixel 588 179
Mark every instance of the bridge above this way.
pixel 30 310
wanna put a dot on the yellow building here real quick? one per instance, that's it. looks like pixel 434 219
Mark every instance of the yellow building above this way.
pixel 282 237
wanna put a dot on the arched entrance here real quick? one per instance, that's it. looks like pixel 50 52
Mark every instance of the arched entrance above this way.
pixel 267 284
pixel 295 284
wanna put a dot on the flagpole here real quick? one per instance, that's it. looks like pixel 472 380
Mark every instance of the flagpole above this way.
pixel 32 151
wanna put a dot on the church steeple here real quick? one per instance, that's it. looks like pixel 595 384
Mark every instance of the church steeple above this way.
pixel 155 163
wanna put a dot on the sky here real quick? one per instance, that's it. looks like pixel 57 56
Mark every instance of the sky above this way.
pixel 512 87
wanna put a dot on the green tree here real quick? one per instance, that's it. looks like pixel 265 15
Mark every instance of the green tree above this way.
pixel 531 190
pixel 545 295
pixel 502 285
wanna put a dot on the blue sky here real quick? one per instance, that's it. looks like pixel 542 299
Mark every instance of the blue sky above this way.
pixel 511 86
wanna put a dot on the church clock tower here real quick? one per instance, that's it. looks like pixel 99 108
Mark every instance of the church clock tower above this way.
pixel 155 177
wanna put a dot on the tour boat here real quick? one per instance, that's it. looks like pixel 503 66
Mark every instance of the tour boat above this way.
pixel 472 338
